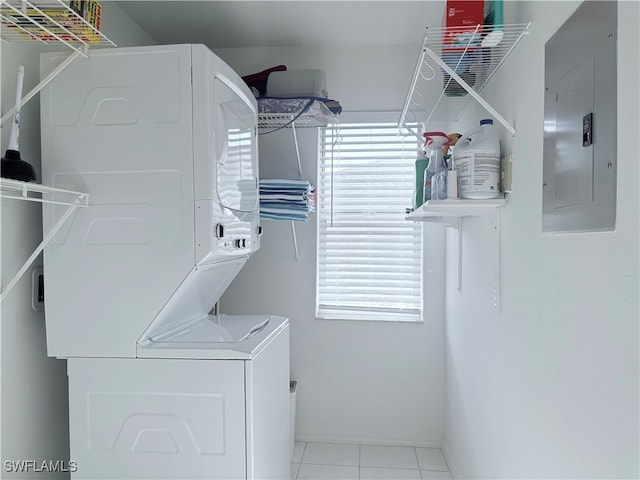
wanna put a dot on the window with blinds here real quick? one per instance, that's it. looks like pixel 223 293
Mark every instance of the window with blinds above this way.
pixel 369 263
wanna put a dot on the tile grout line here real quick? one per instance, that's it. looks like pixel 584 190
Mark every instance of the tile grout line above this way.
pixel 358 465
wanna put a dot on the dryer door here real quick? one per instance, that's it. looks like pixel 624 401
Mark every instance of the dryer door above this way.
pixel 236 149
pixel 226 167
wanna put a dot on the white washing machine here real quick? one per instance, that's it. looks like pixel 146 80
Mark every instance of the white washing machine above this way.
pixel 206 402
pixel 164 140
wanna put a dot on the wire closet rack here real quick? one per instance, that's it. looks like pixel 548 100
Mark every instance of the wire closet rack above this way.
pixel 448 76
pixel 52 21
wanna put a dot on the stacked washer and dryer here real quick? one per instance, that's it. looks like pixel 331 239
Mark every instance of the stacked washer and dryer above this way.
pixel 164 140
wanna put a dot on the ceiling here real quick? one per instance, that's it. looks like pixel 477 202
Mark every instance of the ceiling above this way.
pixel 226 24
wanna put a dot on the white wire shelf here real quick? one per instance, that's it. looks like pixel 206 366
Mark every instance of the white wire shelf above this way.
pixel 449 76
pixel 34 192
pixel 319 115
pixel 52 21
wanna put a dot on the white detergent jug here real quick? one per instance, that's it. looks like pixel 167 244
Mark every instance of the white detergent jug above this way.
pixel 476 159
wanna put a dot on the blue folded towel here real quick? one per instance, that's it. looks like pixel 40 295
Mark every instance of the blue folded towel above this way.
pixel 286 199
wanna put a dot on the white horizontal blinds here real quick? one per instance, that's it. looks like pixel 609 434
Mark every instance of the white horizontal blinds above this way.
pixel 369 255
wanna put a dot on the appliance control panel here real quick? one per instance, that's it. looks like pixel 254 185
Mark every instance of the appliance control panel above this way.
pixel 222 233
pixel 231 238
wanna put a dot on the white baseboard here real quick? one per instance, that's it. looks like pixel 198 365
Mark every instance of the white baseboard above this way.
pixel 401 442
pixel 450 461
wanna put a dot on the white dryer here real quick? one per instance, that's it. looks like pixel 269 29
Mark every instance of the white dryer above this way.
pixel 164 140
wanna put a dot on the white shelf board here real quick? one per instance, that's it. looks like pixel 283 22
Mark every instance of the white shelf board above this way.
pixel 448 211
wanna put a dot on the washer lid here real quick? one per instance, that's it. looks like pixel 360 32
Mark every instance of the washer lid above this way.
pixel 193 299
pixel 215 337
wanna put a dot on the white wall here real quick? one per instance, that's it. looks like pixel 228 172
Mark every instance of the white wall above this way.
pixel 34 387
pixel 547 387
pixel 369 382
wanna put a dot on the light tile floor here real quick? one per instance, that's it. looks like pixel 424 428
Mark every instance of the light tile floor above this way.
pixel 338 461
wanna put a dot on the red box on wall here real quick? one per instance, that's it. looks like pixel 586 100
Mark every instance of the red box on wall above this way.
pixel 461 19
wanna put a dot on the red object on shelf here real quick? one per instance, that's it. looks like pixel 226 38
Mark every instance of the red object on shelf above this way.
pixel 461 19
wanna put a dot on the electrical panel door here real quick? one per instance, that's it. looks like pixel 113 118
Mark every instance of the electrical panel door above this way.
pixel 579 167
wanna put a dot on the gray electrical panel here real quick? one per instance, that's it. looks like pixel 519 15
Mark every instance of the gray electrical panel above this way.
pixel 579 167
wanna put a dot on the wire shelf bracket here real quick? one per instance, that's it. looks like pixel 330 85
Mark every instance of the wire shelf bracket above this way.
pixel 54 73
pixel 463 70
pixel 452 212
pixel 47 21
pixel 13 189
pixel 293 121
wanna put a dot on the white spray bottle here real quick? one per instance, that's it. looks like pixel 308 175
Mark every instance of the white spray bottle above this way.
pixel 437 169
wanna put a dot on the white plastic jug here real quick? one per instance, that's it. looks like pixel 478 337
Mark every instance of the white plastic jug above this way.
pixel 476 159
